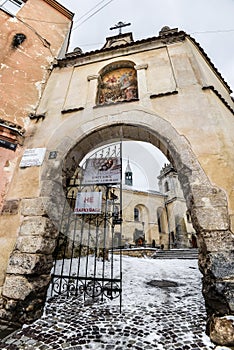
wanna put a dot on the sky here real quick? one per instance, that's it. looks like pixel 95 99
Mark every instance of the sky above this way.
pixel 145 161
pixel 210 22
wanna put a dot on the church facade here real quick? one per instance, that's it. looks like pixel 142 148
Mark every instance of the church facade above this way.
pixel 162 90
pixel 156 218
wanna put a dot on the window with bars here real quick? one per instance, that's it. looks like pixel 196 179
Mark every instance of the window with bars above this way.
pixel 11 6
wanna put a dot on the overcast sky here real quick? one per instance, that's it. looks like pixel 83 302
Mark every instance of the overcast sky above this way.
pixel 210 22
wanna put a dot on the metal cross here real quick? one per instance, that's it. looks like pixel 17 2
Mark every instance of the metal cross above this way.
pixel 119 26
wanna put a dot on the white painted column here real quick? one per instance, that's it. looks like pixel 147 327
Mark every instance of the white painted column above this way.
pixel 143 94
pixel 92 90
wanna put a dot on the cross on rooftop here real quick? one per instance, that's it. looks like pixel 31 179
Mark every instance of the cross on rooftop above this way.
pixel 119 26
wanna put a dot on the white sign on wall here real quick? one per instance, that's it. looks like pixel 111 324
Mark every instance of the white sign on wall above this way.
pixel 88 203
pixel 32 157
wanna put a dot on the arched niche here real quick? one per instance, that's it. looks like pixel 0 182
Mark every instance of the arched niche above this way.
pixel 117 83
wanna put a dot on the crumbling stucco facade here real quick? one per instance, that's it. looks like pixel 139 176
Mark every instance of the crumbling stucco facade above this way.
pixel 182 106
pixel 25 66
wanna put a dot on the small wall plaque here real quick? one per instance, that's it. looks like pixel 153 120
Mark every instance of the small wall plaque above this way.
pixel 53 155
pixel 32 157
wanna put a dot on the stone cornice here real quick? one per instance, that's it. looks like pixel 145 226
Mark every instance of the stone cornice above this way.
pixel 78 58
pixel 141 66
pixel 162 94
pixel 92 77
pixel 164 39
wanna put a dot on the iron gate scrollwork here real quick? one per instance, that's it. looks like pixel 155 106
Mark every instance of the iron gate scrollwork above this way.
pixel 85 263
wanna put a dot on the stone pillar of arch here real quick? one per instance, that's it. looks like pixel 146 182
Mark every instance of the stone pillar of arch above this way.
pixel 29 266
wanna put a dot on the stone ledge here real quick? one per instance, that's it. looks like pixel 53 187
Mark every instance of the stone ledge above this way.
pixel 72 110
pixel 162 94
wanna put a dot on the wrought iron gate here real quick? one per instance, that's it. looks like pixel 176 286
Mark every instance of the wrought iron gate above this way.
pixel 88 259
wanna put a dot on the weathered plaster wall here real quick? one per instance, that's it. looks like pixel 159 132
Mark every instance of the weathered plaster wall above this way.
pixel 23 74
pixel 203 119
pixel 148 205
pixel 26 68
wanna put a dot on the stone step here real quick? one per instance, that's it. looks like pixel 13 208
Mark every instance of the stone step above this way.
pixel 176 254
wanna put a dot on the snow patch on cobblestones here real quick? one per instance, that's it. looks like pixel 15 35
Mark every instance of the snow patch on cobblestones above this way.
pixel 152 317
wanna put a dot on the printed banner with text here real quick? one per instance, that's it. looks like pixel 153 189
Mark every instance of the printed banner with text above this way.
pixel 102 171
pixel 88 203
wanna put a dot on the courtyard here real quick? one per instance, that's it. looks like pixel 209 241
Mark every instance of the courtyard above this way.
pixel 162 308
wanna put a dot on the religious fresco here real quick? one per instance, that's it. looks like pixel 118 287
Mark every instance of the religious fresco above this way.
pixel 118 85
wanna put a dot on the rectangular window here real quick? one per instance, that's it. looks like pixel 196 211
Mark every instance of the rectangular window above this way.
pixel 11 6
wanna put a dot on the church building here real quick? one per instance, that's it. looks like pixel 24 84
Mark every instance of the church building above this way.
pixel 156 218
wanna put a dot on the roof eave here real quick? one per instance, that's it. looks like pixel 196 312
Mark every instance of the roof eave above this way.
pixel 167 39
pixel 60 8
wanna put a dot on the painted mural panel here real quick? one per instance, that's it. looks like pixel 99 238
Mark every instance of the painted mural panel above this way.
pixel 118 85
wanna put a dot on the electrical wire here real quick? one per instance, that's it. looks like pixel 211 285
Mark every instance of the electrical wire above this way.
pixel 41 20
pixel 98 10
pixel 205 32
pixel 92 44
pixel 86 13
pixel 43 40
pixel 214 31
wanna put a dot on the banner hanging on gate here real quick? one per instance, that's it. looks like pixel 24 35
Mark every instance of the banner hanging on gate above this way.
pixel 102 171
pixel 88 203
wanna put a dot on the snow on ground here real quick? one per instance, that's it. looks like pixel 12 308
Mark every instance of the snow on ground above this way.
pixel 179 306
pixel 137 272
pixel 153 316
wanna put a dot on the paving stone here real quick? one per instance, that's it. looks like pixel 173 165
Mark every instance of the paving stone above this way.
pixel 69 325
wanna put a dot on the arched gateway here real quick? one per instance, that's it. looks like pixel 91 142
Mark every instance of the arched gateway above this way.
pixel 170 106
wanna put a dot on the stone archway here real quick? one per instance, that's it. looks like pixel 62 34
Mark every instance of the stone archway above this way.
pixel 29 273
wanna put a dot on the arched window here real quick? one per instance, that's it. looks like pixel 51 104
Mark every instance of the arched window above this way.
pixel 136 214
pixel 166 186
pixel 117 83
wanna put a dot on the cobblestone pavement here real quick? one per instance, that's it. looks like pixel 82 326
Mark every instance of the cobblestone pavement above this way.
pixel 71 325
pixel 151 318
